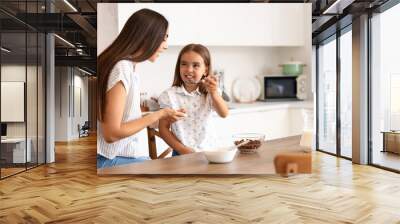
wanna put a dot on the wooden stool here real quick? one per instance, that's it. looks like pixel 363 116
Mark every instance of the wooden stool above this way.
pixel 291 163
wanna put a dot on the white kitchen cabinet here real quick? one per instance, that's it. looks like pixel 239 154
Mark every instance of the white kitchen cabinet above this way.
pixel 290 23
pixel 273 123
pixel 242 24
pixel 296 124
pixel 273 120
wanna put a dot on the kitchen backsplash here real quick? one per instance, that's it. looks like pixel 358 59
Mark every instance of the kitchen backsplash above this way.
pixel 235 61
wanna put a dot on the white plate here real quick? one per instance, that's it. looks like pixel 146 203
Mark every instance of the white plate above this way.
pixel 246 90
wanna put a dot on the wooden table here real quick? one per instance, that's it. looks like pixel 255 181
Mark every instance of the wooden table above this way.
pixel 261 162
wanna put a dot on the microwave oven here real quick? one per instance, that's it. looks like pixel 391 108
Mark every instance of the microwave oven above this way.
pixel 282 87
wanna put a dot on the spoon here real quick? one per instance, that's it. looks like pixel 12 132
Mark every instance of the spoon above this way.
pixel 238 145
pixel 202 78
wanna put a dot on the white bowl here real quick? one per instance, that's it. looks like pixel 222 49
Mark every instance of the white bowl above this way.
pixel 221 155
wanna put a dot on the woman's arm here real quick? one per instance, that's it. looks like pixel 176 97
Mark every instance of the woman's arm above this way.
pixel 112 126
pixel 164 128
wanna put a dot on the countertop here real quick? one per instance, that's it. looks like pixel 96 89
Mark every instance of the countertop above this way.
pixel 236 108
pixel 259 106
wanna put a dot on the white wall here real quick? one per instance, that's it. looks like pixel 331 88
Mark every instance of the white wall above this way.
pixel 68 83
pixel 80 83
pixel 61 103
pixel 109 27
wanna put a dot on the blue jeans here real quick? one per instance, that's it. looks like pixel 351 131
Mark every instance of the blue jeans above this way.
pixel 103 162
pixel 175 153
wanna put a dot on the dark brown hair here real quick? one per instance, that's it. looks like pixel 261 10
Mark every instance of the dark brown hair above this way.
pixel 139 39
pixel 204 53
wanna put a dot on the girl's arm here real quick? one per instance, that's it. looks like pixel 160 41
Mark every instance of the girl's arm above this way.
pixel 164 128
pixel 219 104
pixel 112 126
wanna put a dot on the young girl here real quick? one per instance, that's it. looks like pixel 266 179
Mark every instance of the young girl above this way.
pixel 143 37
pixel 195 90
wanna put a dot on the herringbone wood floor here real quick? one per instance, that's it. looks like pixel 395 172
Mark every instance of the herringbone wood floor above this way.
pixel 69 191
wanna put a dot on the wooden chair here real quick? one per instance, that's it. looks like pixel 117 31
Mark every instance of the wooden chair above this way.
pixel 292 162
pixel 151 135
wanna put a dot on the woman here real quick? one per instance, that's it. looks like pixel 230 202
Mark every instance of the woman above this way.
pixel 143 37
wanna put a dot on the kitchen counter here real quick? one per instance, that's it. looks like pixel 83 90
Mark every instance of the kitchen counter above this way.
pixel 237 108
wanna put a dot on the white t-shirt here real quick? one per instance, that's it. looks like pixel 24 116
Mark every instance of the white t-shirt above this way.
pixel 196 130
pixel 123 71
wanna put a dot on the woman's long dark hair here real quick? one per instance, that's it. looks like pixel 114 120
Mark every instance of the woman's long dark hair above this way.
pixel 204 53
pixel 139 39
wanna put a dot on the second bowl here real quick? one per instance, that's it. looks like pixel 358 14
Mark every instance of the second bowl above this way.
pixel 254 141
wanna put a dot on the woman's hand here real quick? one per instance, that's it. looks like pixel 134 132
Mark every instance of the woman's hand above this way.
pixel 187 150
pixel 210 82
pixel 169 137
pixel 172 115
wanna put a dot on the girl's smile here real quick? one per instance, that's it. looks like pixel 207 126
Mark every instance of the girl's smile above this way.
pixel 192 68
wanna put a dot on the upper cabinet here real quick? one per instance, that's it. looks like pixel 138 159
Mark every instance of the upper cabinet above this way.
pixel 222 24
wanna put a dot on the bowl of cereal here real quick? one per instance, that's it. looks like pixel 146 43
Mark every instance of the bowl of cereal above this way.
pixel 254 141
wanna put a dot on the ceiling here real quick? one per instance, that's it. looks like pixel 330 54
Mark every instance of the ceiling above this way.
pixel 76 22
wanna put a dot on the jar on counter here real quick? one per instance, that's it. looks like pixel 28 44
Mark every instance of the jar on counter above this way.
pixel 307 137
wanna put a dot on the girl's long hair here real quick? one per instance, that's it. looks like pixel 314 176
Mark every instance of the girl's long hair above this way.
pixel 139 39
pixel 204 53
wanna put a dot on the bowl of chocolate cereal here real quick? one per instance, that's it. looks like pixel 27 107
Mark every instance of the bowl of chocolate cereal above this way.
pixel 254 141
